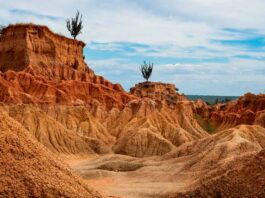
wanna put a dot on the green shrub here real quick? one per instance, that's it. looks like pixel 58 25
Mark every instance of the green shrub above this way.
pixel 75 25
pixel 146 70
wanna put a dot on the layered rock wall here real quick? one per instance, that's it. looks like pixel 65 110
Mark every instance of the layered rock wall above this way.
pixel 40 67
pixel 248 109
pixel 157 91
pixel 30 45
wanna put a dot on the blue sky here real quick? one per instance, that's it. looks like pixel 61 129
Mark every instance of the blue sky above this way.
pixel 203 46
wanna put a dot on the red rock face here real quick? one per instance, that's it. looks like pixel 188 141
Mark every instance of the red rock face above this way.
pixel 248 109
pixel 40 67
pixel 24 45
pixel 158 91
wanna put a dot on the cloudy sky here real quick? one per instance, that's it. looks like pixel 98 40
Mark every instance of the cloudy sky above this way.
pixel 208 47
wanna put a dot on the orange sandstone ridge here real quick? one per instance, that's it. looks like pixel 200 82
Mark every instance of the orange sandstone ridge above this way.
pixel 157 91
pixel 40 67
pixel 248 109
pixel 30 45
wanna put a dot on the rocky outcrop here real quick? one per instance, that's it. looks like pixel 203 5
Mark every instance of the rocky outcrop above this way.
pixel 155 124
pixel 40 67
pixel 142 128
pixel 30 45
pixel 157 91
pixel 248 109
pixel 146 127
pixel 26 88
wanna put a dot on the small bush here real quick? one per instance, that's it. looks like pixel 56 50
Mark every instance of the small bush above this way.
pixel 210 128
pixel 227 100
pixel 75 25
pixel 146 70
pixel 207 125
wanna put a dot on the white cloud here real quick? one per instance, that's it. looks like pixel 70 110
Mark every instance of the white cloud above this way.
pixel 187 23
pixel 179 28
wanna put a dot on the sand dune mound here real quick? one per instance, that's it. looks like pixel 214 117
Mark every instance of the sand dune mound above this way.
pixel 243 178
pixel 29 170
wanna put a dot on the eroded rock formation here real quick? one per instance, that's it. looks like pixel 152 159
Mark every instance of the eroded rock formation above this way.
pixel 53 104
pixel 157 91
pixel 71 110
pixel 248 109
pixel 22 46
pixel 40 67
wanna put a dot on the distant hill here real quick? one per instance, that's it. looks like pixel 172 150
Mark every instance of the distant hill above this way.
pixel 212 99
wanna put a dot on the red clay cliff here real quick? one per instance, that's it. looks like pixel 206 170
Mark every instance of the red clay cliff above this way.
pixel 40 67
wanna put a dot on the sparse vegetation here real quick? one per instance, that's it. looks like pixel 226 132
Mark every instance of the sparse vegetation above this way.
pixel 205 123
pixel 210 128
pixel 75 25
pixel 146 70
pixel 216 101
pixel 226 100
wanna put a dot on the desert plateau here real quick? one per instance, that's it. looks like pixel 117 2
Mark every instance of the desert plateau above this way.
pixel 67 131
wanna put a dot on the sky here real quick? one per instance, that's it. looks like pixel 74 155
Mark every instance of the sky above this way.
pixel 204 47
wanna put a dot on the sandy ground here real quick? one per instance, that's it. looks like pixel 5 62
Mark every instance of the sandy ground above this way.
pixel 154 179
